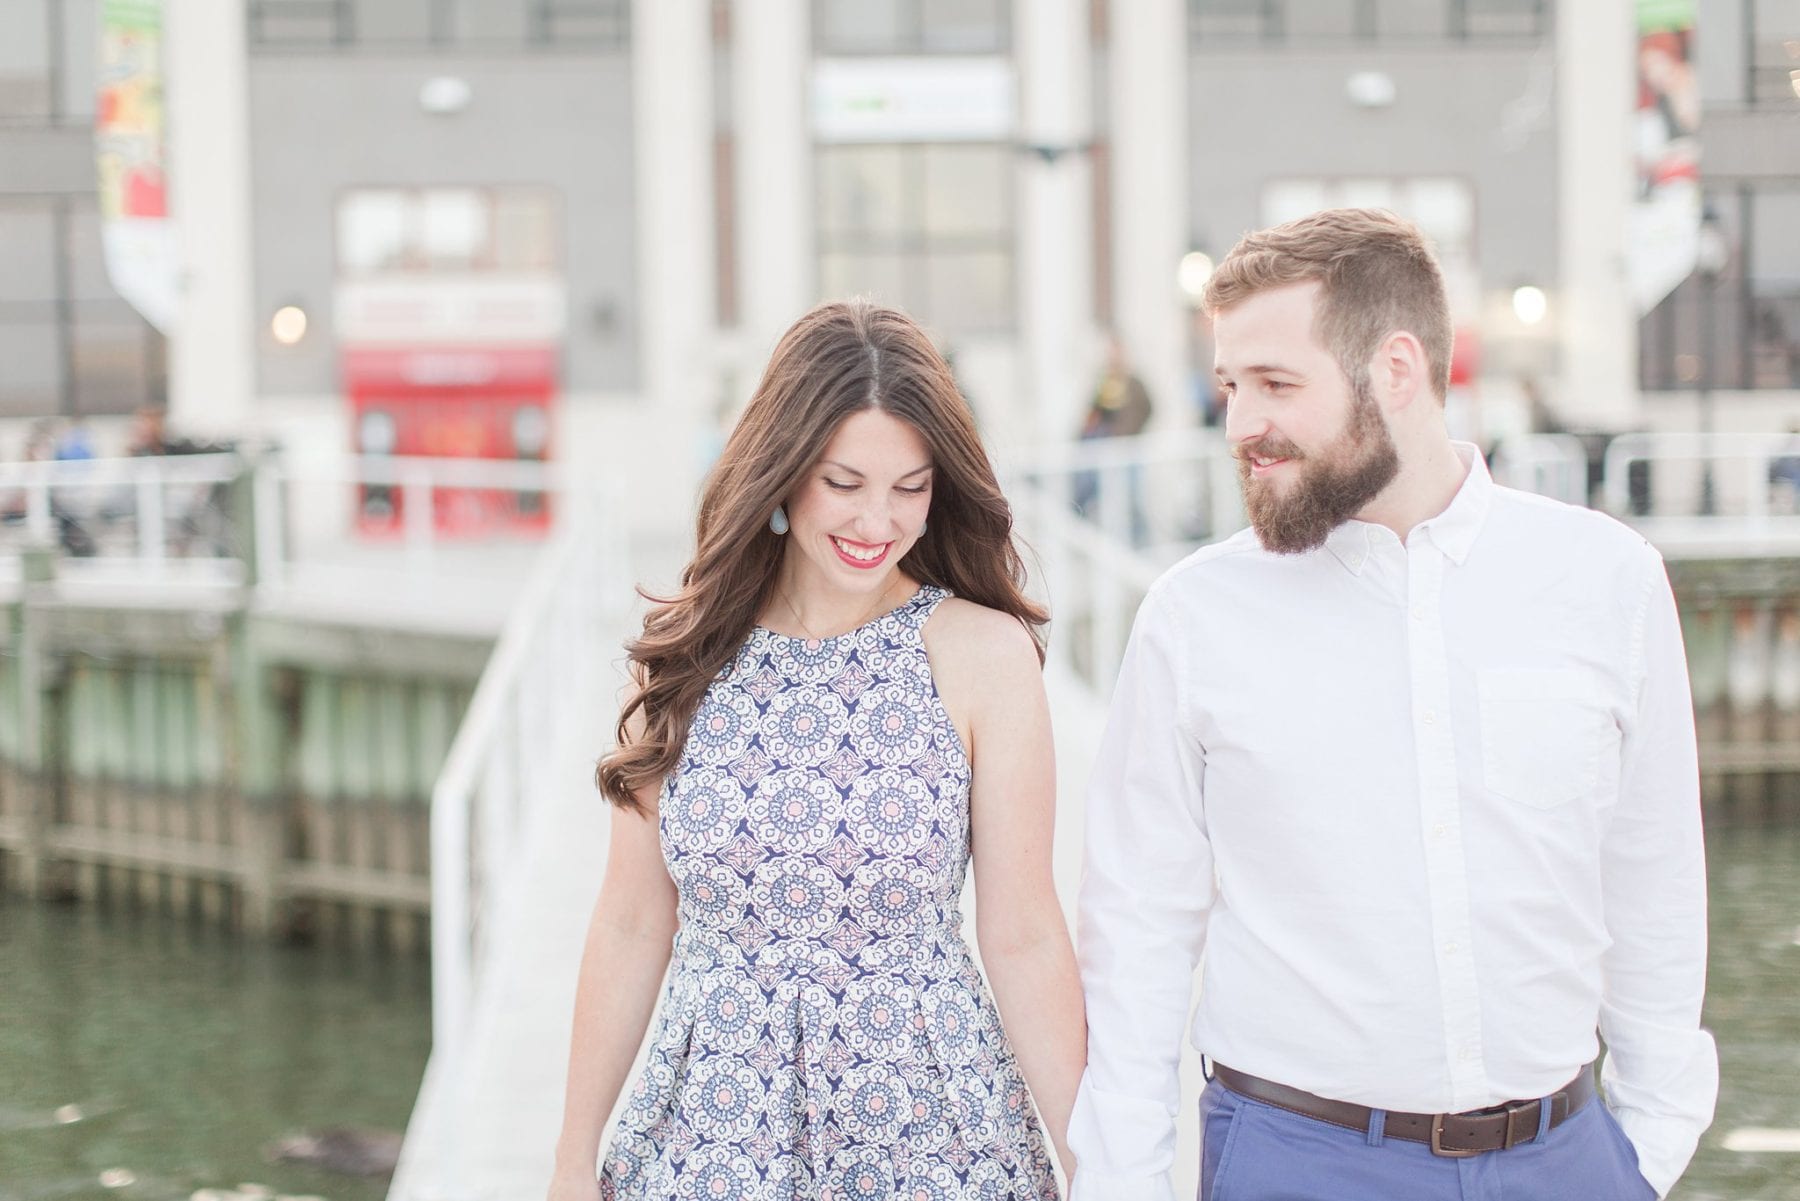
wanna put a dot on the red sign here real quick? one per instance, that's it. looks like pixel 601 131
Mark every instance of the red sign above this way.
pixel 484 403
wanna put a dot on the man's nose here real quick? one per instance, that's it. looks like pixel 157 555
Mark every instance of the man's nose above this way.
pixel 1244 420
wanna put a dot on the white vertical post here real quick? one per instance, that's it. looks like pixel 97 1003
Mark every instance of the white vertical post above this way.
pixel 1149 134
pixel 271 556
pixel 149 513
pixel 672 104
pixel 1056 232
pixel 37 509
pixel 415 499
pixel 773 167
pixel 1596 55
pixel 211 351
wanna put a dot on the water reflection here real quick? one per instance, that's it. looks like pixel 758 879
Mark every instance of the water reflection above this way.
pixel 1753 1007
pixel 185 1053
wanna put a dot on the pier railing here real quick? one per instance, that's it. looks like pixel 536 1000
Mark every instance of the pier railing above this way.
pixel 536 722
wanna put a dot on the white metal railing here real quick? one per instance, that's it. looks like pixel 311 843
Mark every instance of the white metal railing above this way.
pixel 1707 493
pixel 537 708
pixel 1105 518
pixel 400 502
pixel 1553 465
pixel 152 513
pixel 1174 488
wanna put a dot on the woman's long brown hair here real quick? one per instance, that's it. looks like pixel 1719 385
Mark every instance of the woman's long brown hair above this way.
pixel 837 360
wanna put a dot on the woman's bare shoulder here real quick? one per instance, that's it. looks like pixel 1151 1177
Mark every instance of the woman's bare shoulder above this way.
pixel 977 642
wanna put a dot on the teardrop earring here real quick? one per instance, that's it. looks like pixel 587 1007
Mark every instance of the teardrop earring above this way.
pixel 923 525
pixel 778 522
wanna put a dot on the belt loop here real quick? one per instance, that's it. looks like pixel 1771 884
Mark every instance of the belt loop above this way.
pixel 1545 1105
pixel 1377 1127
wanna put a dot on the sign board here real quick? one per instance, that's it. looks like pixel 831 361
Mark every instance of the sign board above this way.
pixel 914 100
pixel 483 309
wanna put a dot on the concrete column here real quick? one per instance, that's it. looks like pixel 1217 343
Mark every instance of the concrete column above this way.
pixel 1056 261
pixel 672 113
pixel 1595 90
pixel 212 374
pixel 1149 134
pixel 771 58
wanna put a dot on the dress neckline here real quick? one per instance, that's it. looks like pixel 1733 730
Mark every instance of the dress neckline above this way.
pixel 923 592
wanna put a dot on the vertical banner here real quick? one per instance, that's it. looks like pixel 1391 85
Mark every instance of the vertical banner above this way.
pixel 1665 220
pixel 137 236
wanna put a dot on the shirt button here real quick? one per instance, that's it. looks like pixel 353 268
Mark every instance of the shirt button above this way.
pixel 1439 830
pixel 1418 613
pixel 1466 1054
pixel 1430 718
pixel 1449 948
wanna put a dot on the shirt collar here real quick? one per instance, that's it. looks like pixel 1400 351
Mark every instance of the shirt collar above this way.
pixel 1453 531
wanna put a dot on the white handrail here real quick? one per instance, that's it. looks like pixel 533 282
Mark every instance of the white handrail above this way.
pixel 1553 465
pixel 482 798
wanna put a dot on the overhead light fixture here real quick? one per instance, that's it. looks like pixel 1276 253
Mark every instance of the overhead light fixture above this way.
pixel 1371 89
pixel 288 325
pixel 445 95
pixel 1195 269
pixel 1530 304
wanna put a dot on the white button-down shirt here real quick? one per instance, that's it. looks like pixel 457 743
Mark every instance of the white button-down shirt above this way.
pixel 1430 808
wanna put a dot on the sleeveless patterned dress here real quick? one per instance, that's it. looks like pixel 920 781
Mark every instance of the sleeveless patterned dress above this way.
pixel 824 1033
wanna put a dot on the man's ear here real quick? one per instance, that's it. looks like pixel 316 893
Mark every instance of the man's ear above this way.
pixel 1400 372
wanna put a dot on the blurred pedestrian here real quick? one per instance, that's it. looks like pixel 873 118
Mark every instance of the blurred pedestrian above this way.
pixel 1120 408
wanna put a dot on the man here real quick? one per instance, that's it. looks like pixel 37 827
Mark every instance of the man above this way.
pixel 1413 761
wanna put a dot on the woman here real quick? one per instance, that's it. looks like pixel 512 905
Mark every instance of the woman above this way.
pixel 820 738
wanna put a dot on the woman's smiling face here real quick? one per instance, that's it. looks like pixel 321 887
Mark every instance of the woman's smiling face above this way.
pixel 860 508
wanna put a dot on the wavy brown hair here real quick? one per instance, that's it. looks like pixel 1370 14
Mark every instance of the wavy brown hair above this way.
pixel 838 360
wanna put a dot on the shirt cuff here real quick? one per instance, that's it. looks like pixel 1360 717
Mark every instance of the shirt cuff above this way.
pixel 1090 1185
pixel 1663 1145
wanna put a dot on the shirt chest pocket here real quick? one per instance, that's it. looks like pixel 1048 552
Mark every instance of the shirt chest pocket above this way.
pixel 1543 734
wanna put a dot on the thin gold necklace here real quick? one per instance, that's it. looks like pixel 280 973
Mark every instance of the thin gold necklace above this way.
pixel 807 630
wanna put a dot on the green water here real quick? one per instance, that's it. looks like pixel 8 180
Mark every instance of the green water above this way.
pixel 188 1052
pixel 1753 1009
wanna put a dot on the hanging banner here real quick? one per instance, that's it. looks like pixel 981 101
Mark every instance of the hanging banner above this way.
pixel 1665 221
pixel 136 234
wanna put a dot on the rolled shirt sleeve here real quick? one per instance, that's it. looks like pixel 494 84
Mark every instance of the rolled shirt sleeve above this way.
pixel 1147 888
pixel 1662 1070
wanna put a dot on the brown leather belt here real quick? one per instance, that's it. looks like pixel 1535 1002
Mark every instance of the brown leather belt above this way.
pixel 1454 1135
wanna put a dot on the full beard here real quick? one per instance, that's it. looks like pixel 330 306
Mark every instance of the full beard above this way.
pixel 1330 488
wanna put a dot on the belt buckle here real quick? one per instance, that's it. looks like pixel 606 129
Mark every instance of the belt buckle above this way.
pixel 1518 1110
pixel 1437 1141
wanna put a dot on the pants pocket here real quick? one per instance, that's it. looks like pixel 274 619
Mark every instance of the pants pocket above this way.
pixel 1220 1113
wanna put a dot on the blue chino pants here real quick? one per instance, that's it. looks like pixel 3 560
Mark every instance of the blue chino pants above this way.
pixel 1251 1151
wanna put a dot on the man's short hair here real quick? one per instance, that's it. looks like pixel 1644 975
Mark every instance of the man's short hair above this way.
pixel 1376 273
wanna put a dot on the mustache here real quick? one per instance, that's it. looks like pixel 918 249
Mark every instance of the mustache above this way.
pixel 1269 446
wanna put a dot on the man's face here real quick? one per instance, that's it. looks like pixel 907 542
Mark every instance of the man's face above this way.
pixel 1312 449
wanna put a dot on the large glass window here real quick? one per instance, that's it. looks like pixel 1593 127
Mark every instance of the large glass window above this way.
pixel 1213 22
pixel 1773 42
pixel 48 54
pixel 1739 327
pixel 385 230
pixel 68 343
pixel 911 26
pixel 278 25
pixel 926 227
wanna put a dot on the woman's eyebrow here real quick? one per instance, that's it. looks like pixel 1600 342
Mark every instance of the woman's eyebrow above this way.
pixel 846 468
